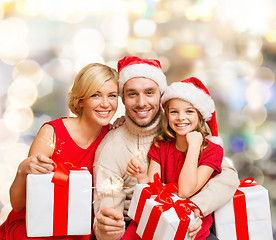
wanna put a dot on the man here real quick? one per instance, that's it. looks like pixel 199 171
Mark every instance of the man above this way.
pixel 141 84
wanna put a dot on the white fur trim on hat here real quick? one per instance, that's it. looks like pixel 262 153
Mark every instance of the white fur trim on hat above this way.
pixel 216 140
pixel 142 70
pixel 198 98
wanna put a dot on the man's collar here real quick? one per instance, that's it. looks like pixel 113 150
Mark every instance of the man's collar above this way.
pixel 153 128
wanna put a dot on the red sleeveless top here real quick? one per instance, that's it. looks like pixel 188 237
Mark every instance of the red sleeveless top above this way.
pixel 66 150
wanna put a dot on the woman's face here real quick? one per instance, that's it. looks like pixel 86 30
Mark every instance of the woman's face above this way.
pixel 102 105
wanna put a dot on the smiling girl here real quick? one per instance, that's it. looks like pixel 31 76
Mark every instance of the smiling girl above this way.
pixel 182 153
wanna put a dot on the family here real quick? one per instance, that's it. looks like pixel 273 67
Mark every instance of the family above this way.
pixel 169 124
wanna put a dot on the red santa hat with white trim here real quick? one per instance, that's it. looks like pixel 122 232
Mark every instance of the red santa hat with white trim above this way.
pixel 194 91
pixel 131 67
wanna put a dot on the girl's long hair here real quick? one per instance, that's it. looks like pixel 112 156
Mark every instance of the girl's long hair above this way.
pixel 167 134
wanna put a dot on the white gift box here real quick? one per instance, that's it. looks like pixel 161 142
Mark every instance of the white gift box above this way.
pixel 258 217
pixel 135 200
pixel 40 204
pixel 167 224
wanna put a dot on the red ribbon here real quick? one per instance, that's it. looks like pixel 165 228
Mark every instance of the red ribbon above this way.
pixel 240 212
pixel 248 182
pixel 154 189
pixel 183 208
pixel 61 197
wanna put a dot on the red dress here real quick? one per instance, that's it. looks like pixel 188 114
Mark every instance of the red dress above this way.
pixel 171 161
pixel 66 150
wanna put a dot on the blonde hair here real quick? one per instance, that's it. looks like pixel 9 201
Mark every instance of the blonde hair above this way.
pixel 167 134
pixel 88 81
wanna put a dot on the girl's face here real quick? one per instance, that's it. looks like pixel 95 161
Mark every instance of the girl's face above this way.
pixel 182 116
pixel 102 105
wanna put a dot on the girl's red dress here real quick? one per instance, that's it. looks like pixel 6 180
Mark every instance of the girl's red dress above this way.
pixel 66 150
pixel 171 161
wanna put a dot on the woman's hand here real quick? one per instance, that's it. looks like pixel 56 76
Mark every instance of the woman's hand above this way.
pixel 36 164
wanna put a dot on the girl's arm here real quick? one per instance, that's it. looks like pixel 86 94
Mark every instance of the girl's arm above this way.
pixel 192 178
pixel 154 167
pixel 38 161
pixel 222 186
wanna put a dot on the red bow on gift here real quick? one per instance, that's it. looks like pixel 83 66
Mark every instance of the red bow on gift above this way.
pixel 62 171
pixel 248 182
pixel 183 209
pixel 154 188
pixel 61 196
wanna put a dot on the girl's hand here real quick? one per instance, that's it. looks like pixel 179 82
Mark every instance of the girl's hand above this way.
pixel 194 138
pixel 37 163
pixel 136 169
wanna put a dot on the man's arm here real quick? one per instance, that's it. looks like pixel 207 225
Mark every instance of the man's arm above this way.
pixel 108 204
pixel 219 190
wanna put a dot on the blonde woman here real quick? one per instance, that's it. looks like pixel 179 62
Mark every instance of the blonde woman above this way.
pixel 94 100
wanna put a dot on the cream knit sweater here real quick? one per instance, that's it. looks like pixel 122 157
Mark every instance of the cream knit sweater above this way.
pixel 116 150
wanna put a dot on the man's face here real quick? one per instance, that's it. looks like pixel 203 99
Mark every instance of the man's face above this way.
pixel 142 100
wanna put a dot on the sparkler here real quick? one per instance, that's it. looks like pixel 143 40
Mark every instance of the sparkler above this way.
pixel 111 183
pixel 138 142
pixel 139 152
pixel 51 143
pixel 111 186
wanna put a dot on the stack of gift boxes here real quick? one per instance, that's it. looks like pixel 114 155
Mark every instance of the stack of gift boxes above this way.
pixel 245 217
pixel 159 213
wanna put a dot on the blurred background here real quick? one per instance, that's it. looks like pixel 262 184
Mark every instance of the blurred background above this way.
pixel 229 45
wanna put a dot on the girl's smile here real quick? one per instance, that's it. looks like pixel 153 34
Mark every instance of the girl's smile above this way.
pixel 183 117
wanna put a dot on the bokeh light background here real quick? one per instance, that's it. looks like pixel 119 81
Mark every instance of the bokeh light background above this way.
pixel 229 45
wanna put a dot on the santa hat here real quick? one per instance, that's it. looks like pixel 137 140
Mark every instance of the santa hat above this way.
pixel 131 67
pixel 193 90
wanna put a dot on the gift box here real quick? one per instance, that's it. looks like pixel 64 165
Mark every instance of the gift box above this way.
pixel 59 207
pixel 168 220
pixel 142 192
pixel 246 216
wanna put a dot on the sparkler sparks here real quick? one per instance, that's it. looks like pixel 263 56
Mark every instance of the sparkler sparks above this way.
pixel 51 143
pixel 111 185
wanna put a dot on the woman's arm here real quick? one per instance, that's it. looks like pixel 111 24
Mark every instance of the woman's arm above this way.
pixel 38 161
